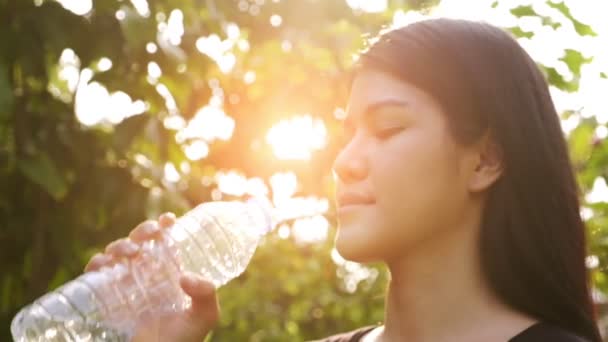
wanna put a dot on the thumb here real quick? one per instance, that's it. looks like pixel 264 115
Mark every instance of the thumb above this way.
pixel 205 308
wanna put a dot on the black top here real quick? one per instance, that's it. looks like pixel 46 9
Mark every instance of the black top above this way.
pixel 538 332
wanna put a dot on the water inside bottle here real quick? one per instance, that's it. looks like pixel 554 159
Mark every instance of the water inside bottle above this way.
pixel 216 240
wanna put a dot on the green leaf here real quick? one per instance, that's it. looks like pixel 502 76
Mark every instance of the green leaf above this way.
pixel 137 31
pixel 582 29
pixel 6 292
pixel 556 79
pixel 574 59
pixel 548 21
pixel 518 32
pixel 581 142
pixel 523 11
pixel 41 170
pixel 6 92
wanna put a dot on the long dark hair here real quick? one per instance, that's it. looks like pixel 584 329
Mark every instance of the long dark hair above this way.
pixel 532 237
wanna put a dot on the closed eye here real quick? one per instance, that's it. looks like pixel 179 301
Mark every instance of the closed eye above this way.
pixel 386 133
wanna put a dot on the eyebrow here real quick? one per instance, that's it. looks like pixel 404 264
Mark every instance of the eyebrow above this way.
pixel 374 106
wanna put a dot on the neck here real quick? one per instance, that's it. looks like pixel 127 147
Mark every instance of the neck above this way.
pixel 437 293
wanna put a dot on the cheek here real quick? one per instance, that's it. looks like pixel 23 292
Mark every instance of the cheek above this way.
pixel 410 167
pixel 417 191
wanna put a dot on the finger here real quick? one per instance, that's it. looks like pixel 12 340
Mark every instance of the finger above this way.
pixel 97 261
pixel 205 308
pixel 145 231
pixel 122 248
pixel 166 220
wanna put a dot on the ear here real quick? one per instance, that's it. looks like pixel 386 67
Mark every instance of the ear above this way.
pixel 487 166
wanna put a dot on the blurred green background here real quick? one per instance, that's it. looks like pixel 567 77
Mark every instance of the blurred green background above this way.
pixel 113 111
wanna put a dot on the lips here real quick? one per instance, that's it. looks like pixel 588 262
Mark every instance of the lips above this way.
pixel 352 198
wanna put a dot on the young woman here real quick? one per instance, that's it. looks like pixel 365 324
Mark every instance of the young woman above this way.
pixel 456 175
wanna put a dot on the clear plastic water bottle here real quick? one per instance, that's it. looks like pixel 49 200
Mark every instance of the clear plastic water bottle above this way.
pixel 215 239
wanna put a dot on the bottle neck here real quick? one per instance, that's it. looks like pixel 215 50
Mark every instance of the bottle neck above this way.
pixel 264 208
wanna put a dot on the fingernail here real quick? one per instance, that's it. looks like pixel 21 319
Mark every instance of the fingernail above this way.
pixel 150 229
pixel 98 261
pixel 166 220
pixel 170 216
pixel 131 248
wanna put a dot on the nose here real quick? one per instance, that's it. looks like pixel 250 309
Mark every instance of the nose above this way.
pixel 351 164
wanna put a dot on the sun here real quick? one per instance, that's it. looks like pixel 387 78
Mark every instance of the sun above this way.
pixel 297 137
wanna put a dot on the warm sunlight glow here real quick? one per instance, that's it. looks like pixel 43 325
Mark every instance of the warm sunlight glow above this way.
pixel 104 64
pixel 196 150
pixel 599 193
pixel 175 27
pixel 601 132
pixel 226 62
pixel 142 8
pixel 231 183
pixel 243 45
pixel 249 77
pixel 310 230
pixel 233 31
pixel 174 122
pixel 90 101
pixel 592 261
pixel 402 18
pixel 236 184
pixel 170 103
pixel 276 20
pixel 151 48
pixel 120 15
pixel 370 6
pixel 586 213
pixel 569 124
pixel 154 70
pixel 256 187
pixel 95 105
pixel 170 173
pixel 300 207
pixel 284 231
pixel 352 273
pixel 210 46
pixel 67 76
pixel 296 138
pixel 78 7
pixel 220 50
pixel 120 106
pixel 209 123
pixel 283 185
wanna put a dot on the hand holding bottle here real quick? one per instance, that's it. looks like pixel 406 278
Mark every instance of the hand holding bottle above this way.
pixel 141 288
pixel 190 325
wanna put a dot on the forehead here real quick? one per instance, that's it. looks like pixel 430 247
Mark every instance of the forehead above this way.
pixel 370 87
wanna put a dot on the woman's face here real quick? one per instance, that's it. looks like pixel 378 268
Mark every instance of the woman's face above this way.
pixel 401 178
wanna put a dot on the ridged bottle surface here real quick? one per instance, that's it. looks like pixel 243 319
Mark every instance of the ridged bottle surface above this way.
pixel 215 240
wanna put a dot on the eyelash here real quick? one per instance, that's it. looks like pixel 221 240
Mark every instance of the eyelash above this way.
pixel 381 134
pixel 384 134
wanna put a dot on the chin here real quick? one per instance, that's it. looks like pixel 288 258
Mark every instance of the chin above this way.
pixel 357 251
